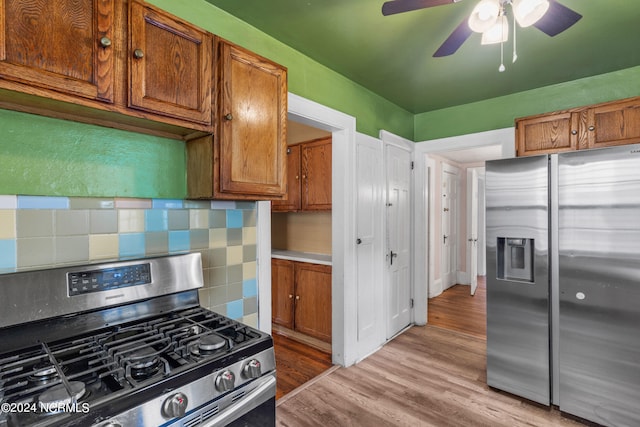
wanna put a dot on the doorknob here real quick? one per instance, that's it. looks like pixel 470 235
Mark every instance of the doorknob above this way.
pixel 358 240
pixel 391 256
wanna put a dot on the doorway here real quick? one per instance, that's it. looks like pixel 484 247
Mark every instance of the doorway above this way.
pixel 299 239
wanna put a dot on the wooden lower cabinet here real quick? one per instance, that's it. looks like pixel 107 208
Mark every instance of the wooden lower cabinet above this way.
pixel 301 297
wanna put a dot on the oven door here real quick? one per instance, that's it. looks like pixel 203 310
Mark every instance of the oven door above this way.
pixel 254 408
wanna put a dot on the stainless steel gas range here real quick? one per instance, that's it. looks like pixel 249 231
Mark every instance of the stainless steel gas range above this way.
pixel 127 344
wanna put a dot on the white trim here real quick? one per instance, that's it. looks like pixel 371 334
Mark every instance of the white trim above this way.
pixel 343 288
pixel 263 252
pixel 503 137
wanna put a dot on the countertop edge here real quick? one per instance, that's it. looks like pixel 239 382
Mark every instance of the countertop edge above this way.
pixel 312 258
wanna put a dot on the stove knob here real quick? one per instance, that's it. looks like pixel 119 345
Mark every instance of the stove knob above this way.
pixel 225 381
pixel 175 406
pixel 252 369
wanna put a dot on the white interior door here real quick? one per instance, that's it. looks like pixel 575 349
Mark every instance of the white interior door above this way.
pixel 369 243
pixel 449 225
pixel 398 167
pixel 473 235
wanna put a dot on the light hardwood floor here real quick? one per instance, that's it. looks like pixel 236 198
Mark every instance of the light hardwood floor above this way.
pixel 428 376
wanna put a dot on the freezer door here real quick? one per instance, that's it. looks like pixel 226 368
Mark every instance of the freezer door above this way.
pixel 517 221
pixel 599 267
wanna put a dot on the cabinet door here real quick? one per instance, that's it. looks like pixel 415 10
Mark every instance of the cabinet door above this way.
pixel 282 291
pixel 313 300
pixel 61 45
pixel 251 124
pixel 552 133
pixel 316 175
pixel 614 124
pixel 170 65
pixel 291 200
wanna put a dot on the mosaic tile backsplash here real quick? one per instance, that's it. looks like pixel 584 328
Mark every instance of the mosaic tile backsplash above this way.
pixel 44 232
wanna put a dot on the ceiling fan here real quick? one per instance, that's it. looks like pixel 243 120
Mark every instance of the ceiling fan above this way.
pixel 555 17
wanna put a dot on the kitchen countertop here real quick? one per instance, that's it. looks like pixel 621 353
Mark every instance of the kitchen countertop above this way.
pixel 301 256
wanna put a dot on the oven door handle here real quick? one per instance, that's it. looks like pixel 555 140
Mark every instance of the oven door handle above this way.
pixel 256 397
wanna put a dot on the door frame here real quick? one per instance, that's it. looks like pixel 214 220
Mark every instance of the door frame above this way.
pixel 343 246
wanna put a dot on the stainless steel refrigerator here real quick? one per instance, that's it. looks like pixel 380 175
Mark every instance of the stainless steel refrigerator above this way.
pixel 563 281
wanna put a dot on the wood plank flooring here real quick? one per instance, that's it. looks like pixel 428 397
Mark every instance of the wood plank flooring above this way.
pixel 427 376
pixel 296 363
pixel 457 310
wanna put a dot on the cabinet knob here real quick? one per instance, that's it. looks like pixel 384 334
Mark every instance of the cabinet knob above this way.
pixel 592 128
pixel 574 132
pixel 228 117
pixel 290 296
pixel 297 177
pixel 105 42
pixel 297 297
pixel 138 53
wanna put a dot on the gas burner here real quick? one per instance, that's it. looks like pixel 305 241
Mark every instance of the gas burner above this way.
pixel 143 363
pixel 208 344
pixel 43 372
pixel 58 396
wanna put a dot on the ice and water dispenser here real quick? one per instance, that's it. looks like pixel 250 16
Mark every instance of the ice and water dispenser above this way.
pixel 515 259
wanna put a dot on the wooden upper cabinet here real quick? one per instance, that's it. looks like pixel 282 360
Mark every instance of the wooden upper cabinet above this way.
pixel 250 133
pixel 308 177
pixel 595 126
pixel 170 65
pixel 61 45
pixel 615 123
pixel 316 175
pixel 291 200
pixel 552 133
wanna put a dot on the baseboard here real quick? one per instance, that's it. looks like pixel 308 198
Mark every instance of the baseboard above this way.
pixel 436 289
pixel 304 339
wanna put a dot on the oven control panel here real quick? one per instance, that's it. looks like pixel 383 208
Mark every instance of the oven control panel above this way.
pixel 85 282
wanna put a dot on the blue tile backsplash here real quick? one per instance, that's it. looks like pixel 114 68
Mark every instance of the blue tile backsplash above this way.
pixel 45 232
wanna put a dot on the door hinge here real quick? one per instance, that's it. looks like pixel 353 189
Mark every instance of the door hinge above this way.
pixel 412 165
pixel 411 302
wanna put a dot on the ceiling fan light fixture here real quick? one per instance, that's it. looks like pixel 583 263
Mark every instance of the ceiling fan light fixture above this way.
pixel 484 15
pixel 528 12
pixel 498 33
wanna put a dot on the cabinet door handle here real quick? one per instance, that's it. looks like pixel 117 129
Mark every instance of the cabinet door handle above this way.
pixel 105 42
pixel 138 53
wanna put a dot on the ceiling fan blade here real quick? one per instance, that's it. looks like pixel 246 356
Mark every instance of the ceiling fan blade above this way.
pixel 455 40
pixel 399 6
pixel 557 19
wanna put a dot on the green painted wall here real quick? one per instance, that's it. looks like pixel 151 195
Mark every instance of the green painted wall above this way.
pixel 498 113
pixel 44 156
